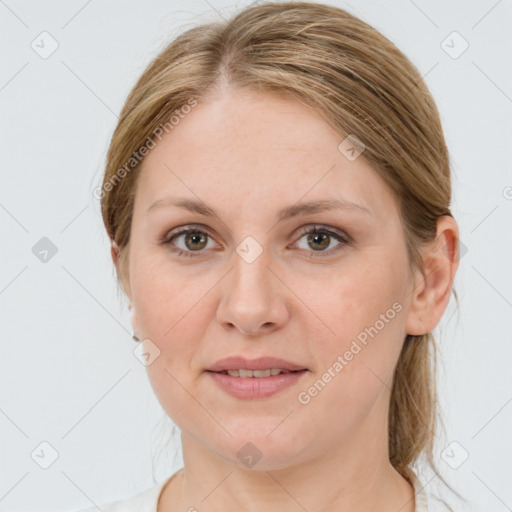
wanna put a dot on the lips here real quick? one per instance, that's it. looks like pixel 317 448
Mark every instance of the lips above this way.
pixel 249 379
pixel 260 364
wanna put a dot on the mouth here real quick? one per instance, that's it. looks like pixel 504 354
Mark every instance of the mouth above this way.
pixel 257 379
pixel 257 374
pixel 262 367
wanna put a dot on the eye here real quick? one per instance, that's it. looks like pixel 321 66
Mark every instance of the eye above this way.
pixel 196 240
pixel 321 238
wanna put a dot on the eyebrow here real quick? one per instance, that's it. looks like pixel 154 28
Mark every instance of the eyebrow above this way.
pixel 305 208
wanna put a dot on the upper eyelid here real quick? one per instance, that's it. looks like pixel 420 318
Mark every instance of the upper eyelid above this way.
pixel 185 229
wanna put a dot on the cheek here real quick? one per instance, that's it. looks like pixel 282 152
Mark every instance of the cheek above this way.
pixel 353 299
pixel 171 312
pixel 166 296
pixel 364 311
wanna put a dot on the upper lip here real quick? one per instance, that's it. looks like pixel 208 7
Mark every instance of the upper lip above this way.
pixel 262 363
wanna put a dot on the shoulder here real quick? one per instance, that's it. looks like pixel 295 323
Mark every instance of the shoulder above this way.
pixel 145 501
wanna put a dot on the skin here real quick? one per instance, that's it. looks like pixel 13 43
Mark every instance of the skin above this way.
pixel 248 155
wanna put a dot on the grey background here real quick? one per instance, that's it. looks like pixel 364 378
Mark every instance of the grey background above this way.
pixel 68 374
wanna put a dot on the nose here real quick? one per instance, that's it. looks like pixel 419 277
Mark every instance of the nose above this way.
pixel 254 299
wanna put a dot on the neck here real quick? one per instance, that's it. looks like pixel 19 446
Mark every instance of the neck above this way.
pixel 354 477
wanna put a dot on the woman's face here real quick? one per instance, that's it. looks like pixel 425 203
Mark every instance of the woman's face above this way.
pixel 252 284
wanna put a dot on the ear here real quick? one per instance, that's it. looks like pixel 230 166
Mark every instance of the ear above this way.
pixel 432 288
pixel 121 263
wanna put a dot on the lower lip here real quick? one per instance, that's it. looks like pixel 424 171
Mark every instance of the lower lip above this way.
pixel 256 387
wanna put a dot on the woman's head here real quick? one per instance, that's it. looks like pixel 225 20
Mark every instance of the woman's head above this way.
pixel 286 104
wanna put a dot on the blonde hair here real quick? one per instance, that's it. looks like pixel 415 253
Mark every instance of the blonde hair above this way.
pixel 362 85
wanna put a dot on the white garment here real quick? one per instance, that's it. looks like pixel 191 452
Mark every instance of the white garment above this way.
pixel 147 500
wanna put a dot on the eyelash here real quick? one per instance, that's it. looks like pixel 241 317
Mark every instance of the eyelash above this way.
pixel 343 239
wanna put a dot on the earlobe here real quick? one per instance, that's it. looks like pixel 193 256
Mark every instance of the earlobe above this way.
pixel 432 288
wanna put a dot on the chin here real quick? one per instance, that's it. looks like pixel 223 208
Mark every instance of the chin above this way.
pixel 254 450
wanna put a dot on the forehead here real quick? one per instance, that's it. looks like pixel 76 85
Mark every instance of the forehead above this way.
pixel 263 148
